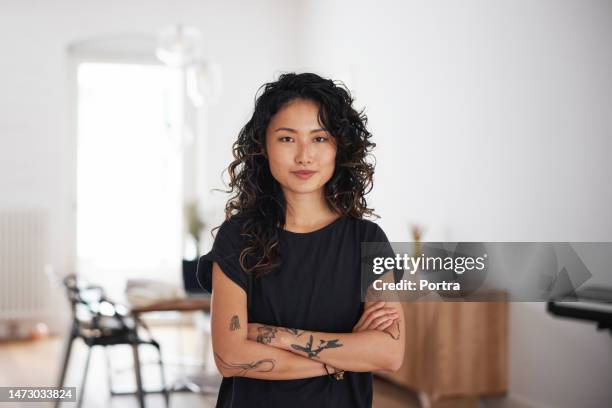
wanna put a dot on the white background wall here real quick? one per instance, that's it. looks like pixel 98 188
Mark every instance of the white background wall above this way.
pixel 251 41
pixel 493 122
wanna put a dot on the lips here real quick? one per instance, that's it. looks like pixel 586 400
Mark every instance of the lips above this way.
pixel 303 174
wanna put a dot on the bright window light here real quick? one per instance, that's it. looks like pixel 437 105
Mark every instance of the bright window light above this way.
pixel 129 177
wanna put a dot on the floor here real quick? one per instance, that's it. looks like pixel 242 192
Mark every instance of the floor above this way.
pixel 36 363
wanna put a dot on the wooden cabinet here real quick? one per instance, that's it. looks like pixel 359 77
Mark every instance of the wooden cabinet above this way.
pixel 454 349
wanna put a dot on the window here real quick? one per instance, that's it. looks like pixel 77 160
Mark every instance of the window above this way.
pixel 129 172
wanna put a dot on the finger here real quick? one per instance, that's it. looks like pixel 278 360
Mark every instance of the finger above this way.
pixel 378 304
pixel 372 308
pixel 379 313
pixel 366 313
pixel 376 318
pixel 376 322
pixel 386 324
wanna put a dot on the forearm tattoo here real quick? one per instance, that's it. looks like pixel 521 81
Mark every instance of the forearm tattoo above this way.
pixel 295 332
pixel 314 352
pixel 234 323
pixel 265 334
pixel 261 366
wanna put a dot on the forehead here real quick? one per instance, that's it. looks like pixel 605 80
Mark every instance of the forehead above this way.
pixel 298 114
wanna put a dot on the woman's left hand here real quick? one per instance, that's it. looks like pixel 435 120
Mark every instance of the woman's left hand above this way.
pixel 376 317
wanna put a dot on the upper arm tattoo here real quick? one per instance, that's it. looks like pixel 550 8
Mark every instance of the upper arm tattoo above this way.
pixel 234 323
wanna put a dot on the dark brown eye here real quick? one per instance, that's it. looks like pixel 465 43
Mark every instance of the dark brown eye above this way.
pixel 285 138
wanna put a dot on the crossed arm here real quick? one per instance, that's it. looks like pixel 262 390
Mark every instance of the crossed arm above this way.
pixel 278 353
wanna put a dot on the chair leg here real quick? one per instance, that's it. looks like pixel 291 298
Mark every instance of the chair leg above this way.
pixel 109 371
pixel 84 380
pixel 139 389
pixel 62 377
pixel 163 377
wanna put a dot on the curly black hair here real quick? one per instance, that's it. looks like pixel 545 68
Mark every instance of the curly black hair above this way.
pixel 258 201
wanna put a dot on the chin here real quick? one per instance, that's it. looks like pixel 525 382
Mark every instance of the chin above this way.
pixel 304 188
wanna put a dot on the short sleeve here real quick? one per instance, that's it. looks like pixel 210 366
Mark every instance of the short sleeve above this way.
pixel 226 252
pixel 377 245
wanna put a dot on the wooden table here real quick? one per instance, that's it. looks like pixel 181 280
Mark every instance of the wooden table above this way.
pixel 186 304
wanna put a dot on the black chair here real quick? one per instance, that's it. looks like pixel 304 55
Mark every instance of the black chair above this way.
pixel 100 322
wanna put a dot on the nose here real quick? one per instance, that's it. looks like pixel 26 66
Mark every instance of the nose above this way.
pixel 303 155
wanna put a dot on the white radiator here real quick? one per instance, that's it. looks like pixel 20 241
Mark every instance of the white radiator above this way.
pixel 24 285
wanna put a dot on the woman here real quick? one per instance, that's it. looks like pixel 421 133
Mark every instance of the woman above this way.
pixel 288 324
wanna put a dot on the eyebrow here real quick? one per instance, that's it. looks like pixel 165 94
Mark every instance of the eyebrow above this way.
pixel 295 131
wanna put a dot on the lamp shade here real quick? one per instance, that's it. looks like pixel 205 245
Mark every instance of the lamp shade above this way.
pixel 179 45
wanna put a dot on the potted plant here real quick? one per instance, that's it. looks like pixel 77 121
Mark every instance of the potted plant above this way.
pixel 195 226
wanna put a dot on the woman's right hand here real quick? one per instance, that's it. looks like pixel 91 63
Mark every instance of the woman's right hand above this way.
pixel 376 317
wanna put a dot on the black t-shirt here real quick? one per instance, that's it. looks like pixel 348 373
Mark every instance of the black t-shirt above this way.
pixel 316 288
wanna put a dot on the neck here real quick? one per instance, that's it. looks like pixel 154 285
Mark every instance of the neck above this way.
pixel 307 210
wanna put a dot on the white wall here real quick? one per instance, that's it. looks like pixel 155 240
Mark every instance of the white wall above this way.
pixel 494 123
pixel 250 40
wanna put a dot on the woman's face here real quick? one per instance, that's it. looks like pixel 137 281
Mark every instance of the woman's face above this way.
pixel 301 153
